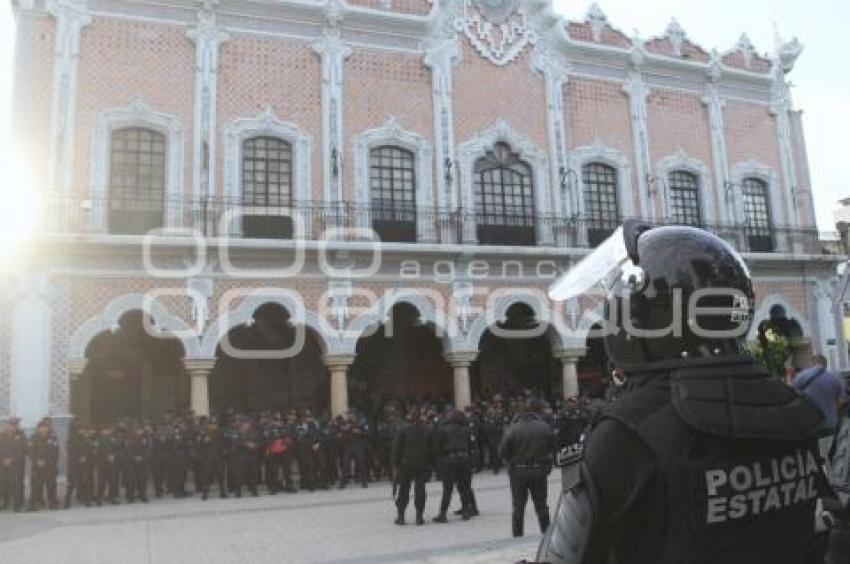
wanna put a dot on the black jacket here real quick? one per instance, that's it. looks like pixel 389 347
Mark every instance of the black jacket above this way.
pixel 413 447
pixel 529 441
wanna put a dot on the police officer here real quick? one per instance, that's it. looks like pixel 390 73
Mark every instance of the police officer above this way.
pixel 160 452
pixel 178 461
pixel 307 445
pixel 107 458
pixel 246 455
pixel 453 450
pixel 211 451
pixel 277 457
pixel 138 455
pixel 707 458
pixel 838 551
pixel 75 448
pixel 412 458
pixel 13 454
pixel 44 466
pixel 528 447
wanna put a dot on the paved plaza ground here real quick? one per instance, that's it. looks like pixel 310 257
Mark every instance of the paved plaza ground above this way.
pixel 352 525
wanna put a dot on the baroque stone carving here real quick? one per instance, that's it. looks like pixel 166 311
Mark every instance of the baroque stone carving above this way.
pixel 498 29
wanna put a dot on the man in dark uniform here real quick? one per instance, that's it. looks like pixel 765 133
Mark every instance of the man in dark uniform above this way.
pixel 307 446
pixel 78 457
pixel 492 430
pixel 160 452
pixel 13 458
pixel 708 458
pixel 360 433
pixel 246 455
pixel 528 448
pixel 211 452
pixel 44 466
pixel 453 450
pixel 178 460
pixel 278 444
pixel 107 459
pixel 412 458
pixel 138 456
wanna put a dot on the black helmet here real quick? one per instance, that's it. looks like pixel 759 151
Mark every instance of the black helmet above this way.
pixel 683 293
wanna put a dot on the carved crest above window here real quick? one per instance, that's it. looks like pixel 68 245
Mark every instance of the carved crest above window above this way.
pixel 498 29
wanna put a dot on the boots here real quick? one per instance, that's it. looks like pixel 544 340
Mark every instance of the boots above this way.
pixel 420 520
pixel 400 519
pixel 441 518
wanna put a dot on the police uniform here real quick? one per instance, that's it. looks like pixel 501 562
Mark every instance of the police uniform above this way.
pixel 412 456
pixel 454 449
pixel 107 458
pixel 44 469
pixel 246 454
pixel 307 448
pixel 838 551
pixel 160 452
pixel 211 450
pixel 707 459
pixel 13 453
pixel 138 456
pixel 528 447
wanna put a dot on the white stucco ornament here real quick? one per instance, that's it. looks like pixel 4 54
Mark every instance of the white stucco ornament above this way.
pixel 498 29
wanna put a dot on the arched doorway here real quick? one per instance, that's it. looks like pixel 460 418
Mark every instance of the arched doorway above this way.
pixel 399 359
pixel 130 373
pixel 244 382
pixel 508 364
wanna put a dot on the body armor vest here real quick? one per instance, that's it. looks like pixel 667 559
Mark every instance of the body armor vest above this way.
pixel 737 467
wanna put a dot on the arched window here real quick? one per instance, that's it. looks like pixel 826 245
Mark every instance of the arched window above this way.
pixel 601 208
pixel 392 187
pixel 266 188
pixel 503 194
pixel 757 215
pixel 136 180
pixel 684 199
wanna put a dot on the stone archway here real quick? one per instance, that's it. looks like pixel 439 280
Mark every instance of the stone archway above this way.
pixel 129 373
pixel 399 357
pixel 269 362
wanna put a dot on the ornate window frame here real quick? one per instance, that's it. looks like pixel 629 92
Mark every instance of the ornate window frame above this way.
pixel 477 147
pixel 266 123
pixel 599 152
pixel 756 169
pixel 683 161
pixel 137 113
pixel 392 133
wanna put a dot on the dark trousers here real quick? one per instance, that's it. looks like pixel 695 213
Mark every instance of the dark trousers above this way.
pixel 178 468
pixel 525 481
pixel 456 475
pixel 307 465
pixel 136 480
pixel 838 551
pixel 210 470
pixel 406 477
pixel 246 471
pixel 274 466
pixel 43 481
pixel 356 454
pixel 160 473
pixel 107 479
pixel 81 480
pixel 12 485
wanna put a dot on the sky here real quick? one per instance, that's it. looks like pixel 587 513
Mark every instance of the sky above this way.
pixel 821 87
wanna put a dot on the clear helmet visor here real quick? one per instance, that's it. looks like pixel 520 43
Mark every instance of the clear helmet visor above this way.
pixel 601 267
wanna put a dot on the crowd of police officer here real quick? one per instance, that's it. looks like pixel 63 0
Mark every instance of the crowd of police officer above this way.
pixel 232 454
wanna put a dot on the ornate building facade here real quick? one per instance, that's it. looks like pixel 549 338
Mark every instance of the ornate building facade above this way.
pixel 264 146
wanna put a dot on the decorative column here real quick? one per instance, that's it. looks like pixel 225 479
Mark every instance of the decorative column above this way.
pixel 638 92
pixel 441 57
pixel 208 38
pixel 460 362
pixel 780 107
pixel 199 375
pixel 71 17
pixel 338 367
pixel 569 372
pixel 333 52
pixel 555 75
pixel 30 350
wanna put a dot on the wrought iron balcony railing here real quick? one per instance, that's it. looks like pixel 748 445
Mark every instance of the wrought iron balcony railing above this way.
pixel 347 221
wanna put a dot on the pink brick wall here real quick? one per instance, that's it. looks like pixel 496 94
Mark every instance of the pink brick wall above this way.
pixel 380 84
pixel 751 134
pixel 581 31
pixel 484 93
pixel 599 110
pixel 121 60
pixel 678 120
pixel 256 72
pixel 33 91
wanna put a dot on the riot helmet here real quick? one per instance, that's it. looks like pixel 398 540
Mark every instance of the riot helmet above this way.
pixel 672 292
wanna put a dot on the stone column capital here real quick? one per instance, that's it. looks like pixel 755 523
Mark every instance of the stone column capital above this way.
pixel 77 365
pixel 570 355
pixel 338 361
pixel 199 366
pixel 461 358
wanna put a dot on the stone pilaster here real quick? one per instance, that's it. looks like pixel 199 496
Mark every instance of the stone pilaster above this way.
pixel 569 371
pixel 338 368
pixel 460 363
pixel 638 92
pixel 199 395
